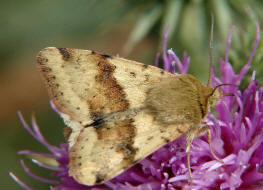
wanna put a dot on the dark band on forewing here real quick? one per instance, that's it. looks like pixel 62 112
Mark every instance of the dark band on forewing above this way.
pixel 115 100
pixel 65 53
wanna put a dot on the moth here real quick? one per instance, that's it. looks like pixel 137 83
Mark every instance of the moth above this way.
pixel 119 111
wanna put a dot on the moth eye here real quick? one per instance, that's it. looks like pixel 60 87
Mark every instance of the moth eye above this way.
pixel 214 100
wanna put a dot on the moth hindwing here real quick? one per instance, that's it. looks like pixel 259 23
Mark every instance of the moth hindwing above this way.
pixel 119 111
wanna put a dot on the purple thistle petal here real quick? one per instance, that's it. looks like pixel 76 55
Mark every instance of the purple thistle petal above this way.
pixel 46 166
pixel 257 141
pixel 250 129
pixel 177 61
pixel 36 133
pixel 44 180
pixel 224 113
pixel 227 72
pixel 179 178
pixel 229 40
pixel 40 137
pixel 156 63
pixel 31 153
pixel 166 63
pixel 53 106
pixel 186 62
pixel 26 126
pixel 19 182
pixel 247 66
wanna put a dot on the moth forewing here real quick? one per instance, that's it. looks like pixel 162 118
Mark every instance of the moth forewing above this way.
pixel 60 76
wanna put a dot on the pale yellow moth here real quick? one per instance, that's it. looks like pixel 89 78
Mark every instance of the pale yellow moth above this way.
pixel 120 111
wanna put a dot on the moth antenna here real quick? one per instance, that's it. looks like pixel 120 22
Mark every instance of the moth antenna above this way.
pixel 224 95
pixel 211 52
pixel 225 84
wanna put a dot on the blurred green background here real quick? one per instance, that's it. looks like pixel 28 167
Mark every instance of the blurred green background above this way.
pixel 132 29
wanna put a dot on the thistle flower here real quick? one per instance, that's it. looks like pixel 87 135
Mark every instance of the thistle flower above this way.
pixel 237 138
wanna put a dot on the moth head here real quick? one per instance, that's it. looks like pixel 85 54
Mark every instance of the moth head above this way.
pixel 214 97
pixel 217 93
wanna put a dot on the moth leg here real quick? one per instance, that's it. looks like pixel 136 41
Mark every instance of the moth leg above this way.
pixel 209 134
pixel 190 137
pixel 207 129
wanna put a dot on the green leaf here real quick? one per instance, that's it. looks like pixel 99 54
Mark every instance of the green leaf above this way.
pixel 143 26
pixel 172 12
pixel 223 17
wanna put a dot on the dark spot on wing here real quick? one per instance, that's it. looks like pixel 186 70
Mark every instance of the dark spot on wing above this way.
pixel 166 140
pixel 133 74
pixel 100 178
pixel 96 117
pixel 45 69
pixel 65 53
pixel 106 56
pixel 136 161
pixel 145 66
pixel 150 138
pixel 128 151
pixel 147 78
pixel 162 72
pixel 67 131
pixel 41 60
pixel 102 55
pixel 180 131
pixel 162 130
pixel 97 123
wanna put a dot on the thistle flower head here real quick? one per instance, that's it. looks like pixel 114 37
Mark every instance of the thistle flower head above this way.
pixel 237 138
